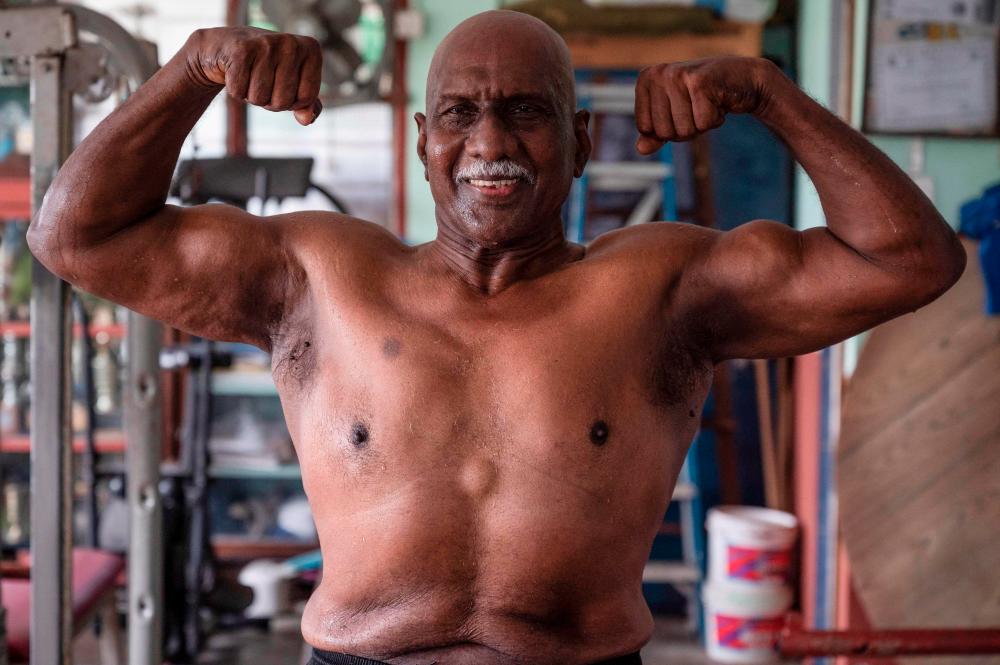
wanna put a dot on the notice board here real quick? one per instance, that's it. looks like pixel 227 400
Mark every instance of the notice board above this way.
pixel 932 68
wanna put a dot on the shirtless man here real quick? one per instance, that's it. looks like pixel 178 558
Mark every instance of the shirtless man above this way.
pixel 490 425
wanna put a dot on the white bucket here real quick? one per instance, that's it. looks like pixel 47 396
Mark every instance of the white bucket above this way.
pixel 742 621
pixel 750 545
pixel 271 588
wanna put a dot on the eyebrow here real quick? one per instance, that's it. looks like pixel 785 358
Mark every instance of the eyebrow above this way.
pixel 451 97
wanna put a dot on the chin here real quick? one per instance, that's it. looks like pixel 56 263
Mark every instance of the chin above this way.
pixel 493 227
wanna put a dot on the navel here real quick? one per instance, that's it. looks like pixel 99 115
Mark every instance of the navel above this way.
pixel 599 433
pixel 359 435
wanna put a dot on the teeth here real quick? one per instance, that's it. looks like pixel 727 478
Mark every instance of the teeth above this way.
pixel 492 183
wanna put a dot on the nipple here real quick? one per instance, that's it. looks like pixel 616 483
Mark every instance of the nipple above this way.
pixel 599 433
pixel 359 435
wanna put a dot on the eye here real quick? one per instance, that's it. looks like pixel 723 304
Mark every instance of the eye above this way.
pixel 524 108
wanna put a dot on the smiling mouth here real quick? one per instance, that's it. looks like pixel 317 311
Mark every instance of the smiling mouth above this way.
pixel 495 189
pixel 492 183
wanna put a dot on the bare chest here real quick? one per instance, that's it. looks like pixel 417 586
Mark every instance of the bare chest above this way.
pixel 588 377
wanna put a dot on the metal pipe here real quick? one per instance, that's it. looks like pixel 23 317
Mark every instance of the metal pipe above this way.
pixel 51 449
pixel 143 435
pixel 88 472
pixel 795 641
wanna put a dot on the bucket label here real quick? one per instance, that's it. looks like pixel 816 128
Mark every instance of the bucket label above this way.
pixel 754 565
pixel 746 632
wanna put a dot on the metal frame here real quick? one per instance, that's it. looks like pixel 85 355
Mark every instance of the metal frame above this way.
pixel 47 35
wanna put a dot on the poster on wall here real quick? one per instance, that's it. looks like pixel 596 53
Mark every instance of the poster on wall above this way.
pixel 932 67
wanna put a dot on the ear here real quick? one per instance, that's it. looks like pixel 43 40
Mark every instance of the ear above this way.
pixel 422 140
pixel 581 131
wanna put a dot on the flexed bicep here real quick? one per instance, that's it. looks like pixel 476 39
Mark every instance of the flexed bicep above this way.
pixel 765 290
pixel 212 270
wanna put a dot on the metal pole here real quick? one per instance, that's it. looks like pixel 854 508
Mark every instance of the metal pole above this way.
pixel 85 370
pixel 143 436
pixel 51 445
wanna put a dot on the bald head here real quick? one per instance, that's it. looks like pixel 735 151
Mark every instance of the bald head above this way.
pixel 503 40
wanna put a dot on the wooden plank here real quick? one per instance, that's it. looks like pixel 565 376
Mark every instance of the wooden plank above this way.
pixel 920 466
pixel 633 52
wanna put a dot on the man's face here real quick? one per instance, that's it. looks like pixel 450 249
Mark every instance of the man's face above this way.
pixel 500 141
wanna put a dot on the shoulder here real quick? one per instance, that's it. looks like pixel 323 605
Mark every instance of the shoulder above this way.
pixel 667 245
pixel 320 238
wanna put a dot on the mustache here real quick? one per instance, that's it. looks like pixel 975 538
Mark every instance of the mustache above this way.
pixel 501 169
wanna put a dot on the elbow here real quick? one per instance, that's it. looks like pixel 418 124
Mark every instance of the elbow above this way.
pixel 940 269
pixel 41 240
pixel 48 245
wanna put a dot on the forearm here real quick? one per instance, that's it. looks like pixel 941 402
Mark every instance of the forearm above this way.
pixel 870 204
pixel 121 172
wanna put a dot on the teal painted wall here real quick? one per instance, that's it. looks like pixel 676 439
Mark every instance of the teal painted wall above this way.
pixel 440 17
pixel 959 168
pixel 814 48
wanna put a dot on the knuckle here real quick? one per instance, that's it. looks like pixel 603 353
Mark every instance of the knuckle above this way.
pixel 287 45
pixel 311 44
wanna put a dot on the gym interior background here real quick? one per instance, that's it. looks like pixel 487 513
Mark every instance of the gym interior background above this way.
pixel 880 455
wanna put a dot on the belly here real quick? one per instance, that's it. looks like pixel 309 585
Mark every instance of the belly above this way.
pixel 537 537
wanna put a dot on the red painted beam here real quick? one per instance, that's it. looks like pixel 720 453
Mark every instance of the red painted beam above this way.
pixel 797 642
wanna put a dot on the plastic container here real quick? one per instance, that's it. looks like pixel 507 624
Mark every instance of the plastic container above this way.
pixel 750 545
pixel 742 621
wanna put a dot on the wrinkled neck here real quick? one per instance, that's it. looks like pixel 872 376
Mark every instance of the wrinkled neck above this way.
pixel 491 268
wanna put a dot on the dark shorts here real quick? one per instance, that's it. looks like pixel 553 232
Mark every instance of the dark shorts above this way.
pixel 331 658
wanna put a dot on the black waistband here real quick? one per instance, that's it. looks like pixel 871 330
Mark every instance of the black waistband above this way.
pixel 320 657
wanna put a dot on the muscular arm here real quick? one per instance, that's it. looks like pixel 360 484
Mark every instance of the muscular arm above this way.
pixel 212 270
pixel 766 290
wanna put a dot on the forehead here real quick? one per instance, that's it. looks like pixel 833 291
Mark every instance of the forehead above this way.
pixel 498 64
pixel 476 81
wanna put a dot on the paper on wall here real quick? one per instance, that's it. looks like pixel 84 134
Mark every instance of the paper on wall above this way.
pixel 965 12
pixel 934 85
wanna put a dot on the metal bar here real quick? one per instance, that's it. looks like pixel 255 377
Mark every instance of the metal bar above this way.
pixel 197 496
pixel 796 642
pixel 143 436
pixel 645 210
pixel 51 452
pixel 39 30
pixel 85 371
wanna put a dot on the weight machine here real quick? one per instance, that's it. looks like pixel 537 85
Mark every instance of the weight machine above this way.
pixel 65 50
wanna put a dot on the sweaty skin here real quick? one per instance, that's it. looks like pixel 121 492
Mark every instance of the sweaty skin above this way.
pixel 490 425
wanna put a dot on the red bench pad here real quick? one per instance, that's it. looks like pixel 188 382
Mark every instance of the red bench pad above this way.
pixel 94 574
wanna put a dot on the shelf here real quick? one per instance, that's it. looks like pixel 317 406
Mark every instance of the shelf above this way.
pixel 684 491
pixel 278 471
pixel 633 52
pixel 251 383
pixel 15 198
pixel 23 329
pixel 670 572
pixel 244 548
pixel 106 441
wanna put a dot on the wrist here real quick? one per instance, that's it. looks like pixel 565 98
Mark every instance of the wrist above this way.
pixel 191 58
pixel 767 80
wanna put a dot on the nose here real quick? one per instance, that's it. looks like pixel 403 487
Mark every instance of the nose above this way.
pixel 489 139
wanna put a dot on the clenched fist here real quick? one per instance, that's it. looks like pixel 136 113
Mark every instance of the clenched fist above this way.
pixel 277 71
pixel 678 101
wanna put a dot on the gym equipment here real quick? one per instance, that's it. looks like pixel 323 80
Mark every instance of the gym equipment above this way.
pixel 238 178
pixel 65 50
pixel 94 575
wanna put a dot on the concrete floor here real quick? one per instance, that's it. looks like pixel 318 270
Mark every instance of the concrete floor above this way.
pixel 671 645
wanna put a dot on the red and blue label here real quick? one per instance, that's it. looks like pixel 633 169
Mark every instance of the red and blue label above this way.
pixel 746 632
pixel 753 565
